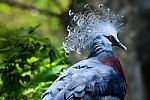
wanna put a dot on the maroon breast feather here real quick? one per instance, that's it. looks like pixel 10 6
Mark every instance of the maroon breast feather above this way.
pixel 113 62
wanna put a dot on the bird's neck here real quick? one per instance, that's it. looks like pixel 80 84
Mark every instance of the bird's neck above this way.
pixel 103 51
pixel 100 45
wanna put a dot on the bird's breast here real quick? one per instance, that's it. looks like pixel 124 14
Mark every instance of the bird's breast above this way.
pixel 113 62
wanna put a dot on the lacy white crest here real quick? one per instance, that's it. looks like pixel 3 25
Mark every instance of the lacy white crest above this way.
pixel 88 24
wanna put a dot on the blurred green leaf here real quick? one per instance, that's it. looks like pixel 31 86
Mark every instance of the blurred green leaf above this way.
pixel 57 69
pixel 32 29
pixel 18 68
pixel 26 73
pixel 32 60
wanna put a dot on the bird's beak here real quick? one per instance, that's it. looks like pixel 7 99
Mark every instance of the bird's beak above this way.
pixel 116 42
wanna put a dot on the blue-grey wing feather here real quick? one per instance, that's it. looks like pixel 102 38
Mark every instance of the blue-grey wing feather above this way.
pixel 88 80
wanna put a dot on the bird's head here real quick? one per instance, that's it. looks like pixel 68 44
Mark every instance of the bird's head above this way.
pixel 110 36
pixel 89 24
pixel 114 41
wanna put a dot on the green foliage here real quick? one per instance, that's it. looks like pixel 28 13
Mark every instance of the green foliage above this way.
pixel 29 63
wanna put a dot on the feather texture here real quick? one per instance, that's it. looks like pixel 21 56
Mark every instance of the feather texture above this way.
pixel 89 80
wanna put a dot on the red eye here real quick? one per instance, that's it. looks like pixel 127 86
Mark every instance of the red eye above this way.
pixel 110 38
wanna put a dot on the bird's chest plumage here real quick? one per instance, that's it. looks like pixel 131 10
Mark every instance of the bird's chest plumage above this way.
pixel 112 62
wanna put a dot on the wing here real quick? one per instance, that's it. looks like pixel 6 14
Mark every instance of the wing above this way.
pixel 90 81
pixel 57 86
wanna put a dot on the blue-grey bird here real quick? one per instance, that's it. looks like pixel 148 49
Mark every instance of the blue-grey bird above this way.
pixel 100 76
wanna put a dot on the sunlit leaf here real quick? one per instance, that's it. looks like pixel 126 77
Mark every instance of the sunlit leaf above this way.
pixel 27 91
pixel 42 84
pixel 57 61
pixel 26 67
pixel 26 73
pixel 18 68
pixel 45 61
pixel 32 59
pixel 57 69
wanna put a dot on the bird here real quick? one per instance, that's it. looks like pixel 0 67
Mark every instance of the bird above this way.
pixel 100 76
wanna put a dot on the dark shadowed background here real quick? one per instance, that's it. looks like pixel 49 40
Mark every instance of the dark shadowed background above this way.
pixel 31 48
